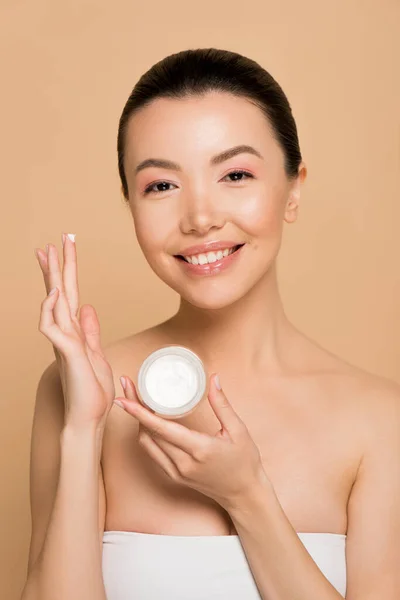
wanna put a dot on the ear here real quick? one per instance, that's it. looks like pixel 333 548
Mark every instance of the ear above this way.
pixel 292 204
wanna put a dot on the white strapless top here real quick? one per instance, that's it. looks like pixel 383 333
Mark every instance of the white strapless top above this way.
pixel 145 566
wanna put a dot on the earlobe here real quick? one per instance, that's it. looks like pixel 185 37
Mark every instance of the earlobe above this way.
pixel 291 211
pixel 292 206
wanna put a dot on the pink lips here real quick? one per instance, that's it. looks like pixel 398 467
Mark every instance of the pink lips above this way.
pixel 212 268
pixel 211 246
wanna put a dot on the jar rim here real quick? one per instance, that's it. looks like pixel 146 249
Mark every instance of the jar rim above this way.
pixel 192 359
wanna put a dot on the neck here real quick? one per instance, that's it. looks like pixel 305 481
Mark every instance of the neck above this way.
pixel 252 334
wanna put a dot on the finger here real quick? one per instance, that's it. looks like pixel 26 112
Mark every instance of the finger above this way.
pixel 62 314
pixel 158 455
pixel 90 326
pixel 41 256
pixel 130 392
pixel 189 440
pixel 174 452
pixel 226 415
pixel 47 325
pixel 70 273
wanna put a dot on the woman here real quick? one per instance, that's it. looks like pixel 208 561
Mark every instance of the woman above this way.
pixel 282 485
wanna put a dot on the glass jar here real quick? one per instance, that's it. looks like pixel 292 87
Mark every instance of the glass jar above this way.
pixel 172 381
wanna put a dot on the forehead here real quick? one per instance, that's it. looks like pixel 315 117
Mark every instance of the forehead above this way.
pixel 206 123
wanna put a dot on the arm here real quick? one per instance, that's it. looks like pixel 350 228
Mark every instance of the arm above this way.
pixel 282 567
pixel 67 503
pixel 373 542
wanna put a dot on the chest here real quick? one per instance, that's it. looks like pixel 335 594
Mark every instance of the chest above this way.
pixel 307 449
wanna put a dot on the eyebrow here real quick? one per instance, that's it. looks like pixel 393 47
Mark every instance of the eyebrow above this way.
pixel 215 160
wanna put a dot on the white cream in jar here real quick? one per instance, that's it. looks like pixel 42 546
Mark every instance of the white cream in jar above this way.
pixel 172 381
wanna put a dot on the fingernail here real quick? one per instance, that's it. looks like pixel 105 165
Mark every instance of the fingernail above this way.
pixel 123 382
pixel 217 383
pixel 72 236
pixel 119 403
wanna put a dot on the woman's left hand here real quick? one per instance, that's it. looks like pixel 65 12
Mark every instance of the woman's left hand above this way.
pixel 225 467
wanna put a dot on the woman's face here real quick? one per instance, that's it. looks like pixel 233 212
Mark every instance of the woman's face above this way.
pixel 199 200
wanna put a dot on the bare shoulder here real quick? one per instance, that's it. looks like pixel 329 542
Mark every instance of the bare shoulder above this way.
pixel 372 550
pixel 374 391
pixel 378 407
pixel 379 402
pixel 371 398
pixel 49 395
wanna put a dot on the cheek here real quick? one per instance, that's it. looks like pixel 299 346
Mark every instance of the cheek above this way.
pixel 146 216
pixel 150 235
pixel 261 215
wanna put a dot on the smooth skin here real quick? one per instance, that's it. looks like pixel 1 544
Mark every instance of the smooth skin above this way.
pixel 327 431
pixel 86 376
pixel 74 397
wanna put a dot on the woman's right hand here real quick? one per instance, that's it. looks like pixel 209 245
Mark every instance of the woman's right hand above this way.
pixel 86 376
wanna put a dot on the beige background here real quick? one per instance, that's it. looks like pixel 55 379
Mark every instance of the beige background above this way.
pixel 68 68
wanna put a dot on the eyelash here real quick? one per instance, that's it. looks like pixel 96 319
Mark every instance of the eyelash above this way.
pixel 148 189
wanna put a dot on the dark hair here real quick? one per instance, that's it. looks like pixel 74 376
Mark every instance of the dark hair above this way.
pixel 194 73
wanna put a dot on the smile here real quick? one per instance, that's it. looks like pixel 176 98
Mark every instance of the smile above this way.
pixel 210 257
pixel 210 263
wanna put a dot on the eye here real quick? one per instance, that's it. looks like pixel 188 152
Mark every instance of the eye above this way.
pixel 150 189
pixel 239 172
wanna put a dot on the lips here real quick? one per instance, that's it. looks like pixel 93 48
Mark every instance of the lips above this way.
pixel 208 247
pixel 222 247
pixel 221 265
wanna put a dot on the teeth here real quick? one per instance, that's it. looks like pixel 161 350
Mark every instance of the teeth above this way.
pixel 209 257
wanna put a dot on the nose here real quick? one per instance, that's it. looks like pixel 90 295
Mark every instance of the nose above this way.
pixel 200 215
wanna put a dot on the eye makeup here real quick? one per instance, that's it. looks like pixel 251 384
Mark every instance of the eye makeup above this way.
pixel 247 174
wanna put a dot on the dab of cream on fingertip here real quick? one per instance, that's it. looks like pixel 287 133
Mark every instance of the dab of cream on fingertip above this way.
pixel 71 236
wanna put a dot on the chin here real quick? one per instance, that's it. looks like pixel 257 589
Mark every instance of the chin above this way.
pixel 209 295
pixel 210 303
pixel 210 292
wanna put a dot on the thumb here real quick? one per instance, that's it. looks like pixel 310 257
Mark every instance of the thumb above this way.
pixel 90 326
pixel 223 409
